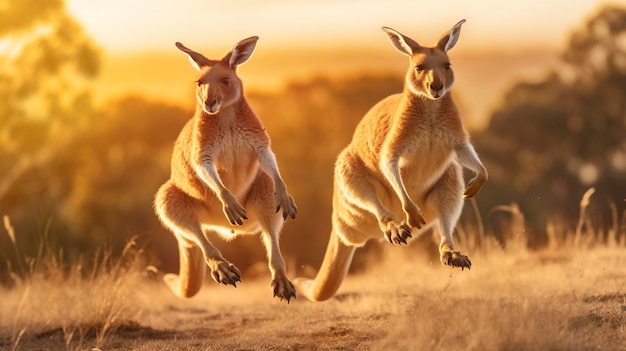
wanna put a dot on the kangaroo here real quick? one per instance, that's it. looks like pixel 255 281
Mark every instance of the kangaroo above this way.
pixel 402 169
pixel 224 180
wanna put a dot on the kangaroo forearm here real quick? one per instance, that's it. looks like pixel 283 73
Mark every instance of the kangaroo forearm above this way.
pixel 468 158
pixel 209 176
pixel 389 166
pixel 267 161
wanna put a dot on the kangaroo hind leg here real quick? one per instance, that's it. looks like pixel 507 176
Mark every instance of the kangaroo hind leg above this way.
pixel 179 213
pixel 357 187
pixel 446 200
pixel 281 286
pixel 262 206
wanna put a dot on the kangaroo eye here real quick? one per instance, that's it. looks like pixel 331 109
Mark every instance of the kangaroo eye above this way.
pixel 226 81
pixel 419 68
pixel 198 83
pixel 447 66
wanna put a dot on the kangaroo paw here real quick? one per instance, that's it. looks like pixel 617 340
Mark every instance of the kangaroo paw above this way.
pixel 283 288
pixel 287 204
pixel 234 212
pixel 226 273
pixel 455 259
pixel 414 217
pixel 397 233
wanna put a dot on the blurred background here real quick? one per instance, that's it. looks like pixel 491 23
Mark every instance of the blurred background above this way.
pixel 93 94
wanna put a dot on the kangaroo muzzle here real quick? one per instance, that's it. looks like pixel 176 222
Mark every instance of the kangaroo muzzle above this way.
pixel 213 106
pixel 209 105
pixel 436 90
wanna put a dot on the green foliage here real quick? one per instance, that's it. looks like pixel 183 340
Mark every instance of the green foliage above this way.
pixel 553 139
pixel 19 16
pixel 43 73
pixel 80 176
pixel 46 64
pixel 116 166
pixel 598 49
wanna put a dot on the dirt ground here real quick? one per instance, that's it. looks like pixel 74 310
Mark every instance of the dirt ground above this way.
pixel 569 300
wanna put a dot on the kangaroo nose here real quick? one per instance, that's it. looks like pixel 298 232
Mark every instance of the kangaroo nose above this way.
pixel 436 90
pixel 436 87
pixel 211 106
pixel 214 106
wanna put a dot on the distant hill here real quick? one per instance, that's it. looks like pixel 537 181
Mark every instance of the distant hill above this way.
pixel 481 78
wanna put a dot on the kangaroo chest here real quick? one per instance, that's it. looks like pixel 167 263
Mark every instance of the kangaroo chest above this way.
pixel 235 158
pixel 426 154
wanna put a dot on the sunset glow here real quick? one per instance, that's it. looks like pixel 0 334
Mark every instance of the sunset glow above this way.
pixel 120 25
pixel 299 39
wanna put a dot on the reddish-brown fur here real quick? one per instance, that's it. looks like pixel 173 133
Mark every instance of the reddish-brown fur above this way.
pixel 224 180
pixel 402 170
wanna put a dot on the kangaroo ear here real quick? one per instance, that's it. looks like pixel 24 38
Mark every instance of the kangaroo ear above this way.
pixel 197 60
pixel 448 40
pixel 402 43
pixel 241 52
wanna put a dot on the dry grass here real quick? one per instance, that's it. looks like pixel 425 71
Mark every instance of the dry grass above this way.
pixel 78 306
pixel 569 296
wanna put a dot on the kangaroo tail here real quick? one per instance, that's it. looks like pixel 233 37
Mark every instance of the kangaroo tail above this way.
pixel 334 268
pixel 192 269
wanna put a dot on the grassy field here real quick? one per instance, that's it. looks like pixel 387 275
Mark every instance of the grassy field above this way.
pixel 569 296
pixel 568 300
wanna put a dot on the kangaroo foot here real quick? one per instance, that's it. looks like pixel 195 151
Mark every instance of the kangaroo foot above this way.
pixel 283 288
pixel 455 259
pixel 225 273
pixel 397 232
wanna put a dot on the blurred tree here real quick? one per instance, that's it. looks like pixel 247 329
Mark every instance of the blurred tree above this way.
pixel 117 167
pixel 598 50
pixel 46 62
pixel 552 140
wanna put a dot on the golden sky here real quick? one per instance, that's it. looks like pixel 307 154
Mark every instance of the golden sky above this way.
pixel 502 41
pixel 137 25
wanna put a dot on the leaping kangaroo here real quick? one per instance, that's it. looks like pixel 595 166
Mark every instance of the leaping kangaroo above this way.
pixel 224 180
pixel 402 169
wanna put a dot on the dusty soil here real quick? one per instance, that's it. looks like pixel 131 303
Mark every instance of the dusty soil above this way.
pixel 573 300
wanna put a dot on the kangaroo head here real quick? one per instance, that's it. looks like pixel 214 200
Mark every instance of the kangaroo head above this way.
pixel 430 73
pixel 218 85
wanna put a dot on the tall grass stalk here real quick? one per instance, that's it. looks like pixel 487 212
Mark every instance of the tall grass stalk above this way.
pixel 517 237
pixel 622 240
pixel 18 333
pixel 582 218
pixel 11 233
pixel 82 305
pixel 479 222
pixel 614 229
